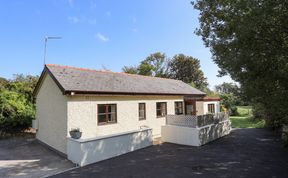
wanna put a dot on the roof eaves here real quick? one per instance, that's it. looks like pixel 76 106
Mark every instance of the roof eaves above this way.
pixel 41 78
pixel 129 93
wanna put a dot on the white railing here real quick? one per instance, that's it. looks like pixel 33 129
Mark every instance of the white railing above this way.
pixel 196 121
pixel 182 120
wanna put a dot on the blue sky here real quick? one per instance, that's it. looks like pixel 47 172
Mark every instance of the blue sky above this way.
pixel 97 34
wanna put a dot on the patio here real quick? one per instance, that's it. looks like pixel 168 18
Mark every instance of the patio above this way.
pixel 243 153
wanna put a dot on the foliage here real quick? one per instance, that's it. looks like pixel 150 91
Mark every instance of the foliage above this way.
pixel 154 65
pixel 187 69
pixel 130 69
pixel 180 67
pixel 17 107
pixel 246 122
pixel 234 111
pixel 75 130
pixel 249 41
pixel 232 88
pixel 228 101
pixel 3 83
pixel 245 111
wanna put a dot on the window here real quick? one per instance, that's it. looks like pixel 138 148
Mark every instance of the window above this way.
pixel 142 111
pixel 161 109
pixel 107 113
pixel 178 107
pixel 211 108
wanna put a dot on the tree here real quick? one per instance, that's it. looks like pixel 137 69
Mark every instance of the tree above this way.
pixel 3 83
pixel 227 88
pixel 233 89
pixel 130 70
pixel 187 69
pixel 17 107
pixel 180 67
pixel 154 65
pixel 249 41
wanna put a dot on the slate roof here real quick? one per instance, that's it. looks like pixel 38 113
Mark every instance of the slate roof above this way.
pixel 87 81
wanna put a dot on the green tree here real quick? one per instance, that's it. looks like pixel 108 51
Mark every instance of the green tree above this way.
pixel 180 67
pixel 232 88
pixel 16 112
pixel 154 65
pixel 130 70
pixel 3 83
pixel 249 41
pixel 187 69
pixel 227 88
pixel 24 85
pixel 17 107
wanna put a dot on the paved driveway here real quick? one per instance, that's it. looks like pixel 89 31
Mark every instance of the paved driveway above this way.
pixel 243 153
pixel 22 157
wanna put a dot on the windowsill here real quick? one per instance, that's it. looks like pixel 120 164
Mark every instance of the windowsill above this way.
pixel 106 123
pixel 160 116
pixel 142 119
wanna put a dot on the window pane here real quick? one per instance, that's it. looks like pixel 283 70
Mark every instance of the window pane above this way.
pixel 112 117
pixel 107 113
pixel 101 108
pixel 101 118
pixel 211 108
pixel 142 111
pixel 158 112
pixel 178 108
pixel 161 109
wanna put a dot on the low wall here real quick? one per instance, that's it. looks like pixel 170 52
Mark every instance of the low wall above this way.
pixel 87 151
pixel 195 136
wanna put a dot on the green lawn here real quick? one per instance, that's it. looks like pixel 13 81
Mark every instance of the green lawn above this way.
pixel 246 122
pixel 245 119
pixel 244 111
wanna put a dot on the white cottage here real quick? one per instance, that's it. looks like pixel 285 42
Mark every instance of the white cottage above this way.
pixel 103 103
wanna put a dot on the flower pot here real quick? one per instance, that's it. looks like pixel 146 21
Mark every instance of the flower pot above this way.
pixel 75 135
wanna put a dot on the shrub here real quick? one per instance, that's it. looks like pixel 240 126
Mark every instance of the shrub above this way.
pixel 233 111
pixel 16 112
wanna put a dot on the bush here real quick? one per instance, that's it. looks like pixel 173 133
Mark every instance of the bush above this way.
pixel 233 111
pixel 16 112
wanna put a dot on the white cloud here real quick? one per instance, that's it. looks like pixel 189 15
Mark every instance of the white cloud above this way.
pixel 73 19
pixel 102 37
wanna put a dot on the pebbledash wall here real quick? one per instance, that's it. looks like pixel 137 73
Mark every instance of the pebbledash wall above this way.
pixel 82 113
pixel 51 115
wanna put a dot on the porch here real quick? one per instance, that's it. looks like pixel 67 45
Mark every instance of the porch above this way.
pixel 195 130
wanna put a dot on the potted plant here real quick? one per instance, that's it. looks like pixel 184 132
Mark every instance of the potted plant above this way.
pixel 75 133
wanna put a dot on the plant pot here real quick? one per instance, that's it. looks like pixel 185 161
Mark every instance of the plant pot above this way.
pixel 75 135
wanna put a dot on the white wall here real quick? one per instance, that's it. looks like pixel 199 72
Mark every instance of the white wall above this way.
pixel 195 136
pixel 82 113
pixel 51 115
pixel 83 152
pixel 199 108
pixel 205 106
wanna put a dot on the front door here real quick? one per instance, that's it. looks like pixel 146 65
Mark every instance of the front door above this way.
pixel 190 107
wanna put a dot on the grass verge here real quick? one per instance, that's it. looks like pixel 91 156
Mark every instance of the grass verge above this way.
pixel 246 122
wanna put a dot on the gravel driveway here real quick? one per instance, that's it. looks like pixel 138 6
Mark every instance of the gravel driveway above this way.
pixel 243 153
pixel 25 157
